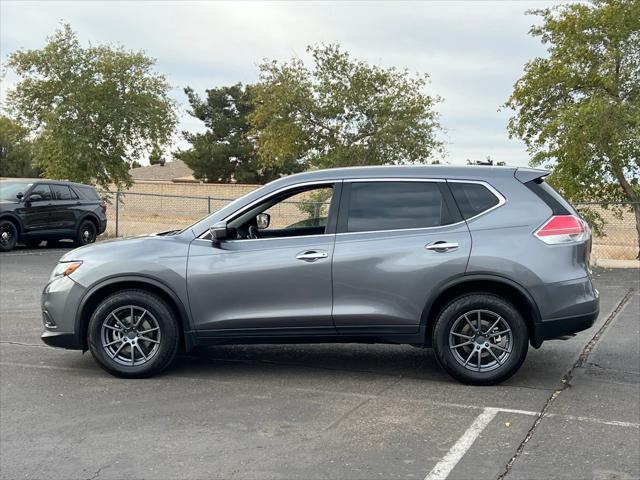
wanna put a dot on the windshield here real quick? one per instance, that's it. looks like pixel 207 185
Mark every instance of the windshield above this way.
pixel 9 190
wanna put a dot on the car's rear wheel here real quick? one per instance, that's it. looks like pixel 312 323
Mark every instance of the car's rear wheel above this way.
pixel 86 233
pixel 133 334
pixel 480 339
pixel 8 235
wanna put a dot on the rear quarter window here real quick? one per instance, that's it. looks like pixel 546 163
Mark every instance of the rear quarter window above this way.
pixel 87 193
pixel 473 198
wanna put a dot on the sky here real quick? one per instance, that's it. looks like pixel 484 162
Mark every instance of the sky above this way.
pixel 473 51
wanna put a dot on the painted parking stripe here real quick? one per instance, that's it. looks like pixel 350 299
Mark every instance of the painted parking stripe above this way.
pixel 454 455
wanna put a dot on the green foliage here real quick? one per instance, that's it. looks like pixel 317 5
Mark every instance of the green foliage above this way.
pixel 227 151
pixel 316 205
pixel 93 110
pixel 16 150
pixel 135 164
pixel 578 109
pixel 155 157
pixel 342 112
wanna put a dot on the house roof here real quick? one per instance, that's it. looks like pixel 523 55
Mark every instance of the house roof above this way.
pixel 168 172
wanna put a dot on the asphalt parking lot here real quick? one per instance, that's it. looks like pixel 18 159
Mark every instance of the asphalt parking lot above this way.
pixel 317 411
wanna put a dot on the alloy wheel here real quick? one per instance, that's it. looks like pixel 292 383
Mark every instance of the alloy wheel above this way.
pixel 481 340
pixel 6 235
pixel 130 335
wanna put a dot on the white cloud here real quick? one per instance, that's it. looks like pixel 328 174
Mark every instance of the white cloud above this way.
pixel 473 51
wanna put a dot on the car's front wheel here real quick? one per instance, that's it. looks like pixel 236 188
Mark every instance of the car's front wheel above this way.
pixel 8 235
pixel 133 333
pixel 480 339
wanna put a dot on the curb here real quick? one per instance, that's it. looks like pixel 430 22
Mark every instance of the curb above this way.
pixel 611 263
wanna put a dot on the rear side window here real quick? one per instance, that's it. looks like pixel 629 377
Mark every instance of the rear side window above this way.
pixel 472 198
pixel 43 190
pixel 87 193
pixel 396 205
pixel 63 192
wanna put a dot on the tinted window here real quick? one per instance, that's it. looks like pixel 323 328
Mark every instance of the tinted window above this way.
pixel 43 190
pixel 88 193
pixel 472 198
pixel 62 192
pixel 395 205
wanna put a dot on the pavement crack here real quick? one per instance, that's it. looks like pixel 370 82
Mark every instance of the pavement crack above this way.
pixel 566 381
pixel 97 473
pixel 7 342
pixel 349 412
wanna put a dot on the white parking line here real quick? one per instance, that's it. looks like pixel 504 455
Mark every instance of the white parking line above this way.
pixel 454 455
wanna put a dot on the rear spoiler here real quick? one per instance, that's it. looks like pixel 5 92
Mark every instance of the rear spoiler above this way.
pixel 525 174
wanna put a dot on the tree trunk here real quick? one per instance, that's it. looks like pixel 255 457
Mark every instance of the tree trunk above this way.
pixel 633 197
pixel 636 210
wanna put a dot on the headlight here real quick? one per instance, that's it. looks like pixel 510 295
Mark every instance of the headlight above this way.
pixel 64 269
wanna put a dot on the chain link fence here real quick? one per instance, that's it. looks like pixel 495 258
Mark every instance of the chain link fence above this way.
pixel 614 224
pixel 132 213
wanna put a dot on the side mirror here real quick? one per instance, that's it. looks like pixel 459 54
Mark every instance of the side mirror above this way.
pixel 34 198
pixel 263 220
pixel 219 233
pixel 19 195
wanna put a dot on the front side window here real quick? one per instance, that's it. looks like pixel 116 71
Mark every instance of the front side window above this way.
pixel 43 190
pixel 298 212
pixel 397 205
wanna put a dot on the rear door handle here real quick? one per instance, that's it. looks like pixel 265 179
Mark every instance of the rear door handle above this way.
pixel 312 255
pixel 442 246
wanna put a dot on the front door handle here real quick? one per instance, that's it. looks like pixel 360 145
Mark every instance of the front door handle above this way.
pixel 312 255
pixel 442 246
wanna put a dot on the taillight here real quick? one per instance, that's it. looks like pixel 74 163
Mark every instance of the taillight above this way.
pixel 563 229
pixel 103 206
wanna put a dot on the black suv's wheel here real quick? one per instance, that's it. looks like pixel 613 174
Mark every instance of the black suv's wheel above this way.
pixel 480 339
pixel 8 235
pixel 133 334
pixel 86 233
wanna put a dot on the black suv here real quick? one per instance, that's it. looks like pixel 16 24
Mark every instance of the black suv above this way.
pixel 33 210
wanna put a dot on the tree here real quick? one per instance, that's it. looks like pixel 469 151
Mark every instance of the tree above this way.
pixel 155 157
pixel 135 164
pixel 227 151
pixel 578 109
pixel 93 110
pixel 342 112
pixel 16 150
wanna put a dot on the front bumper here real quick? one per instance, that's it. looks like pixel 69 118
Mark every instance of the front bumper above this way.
pixel 61 340
pixel 59 302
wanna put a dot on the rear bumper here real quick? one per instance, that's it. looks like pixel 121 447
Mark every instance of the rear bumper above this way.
pixel 102 225
pixel 563 326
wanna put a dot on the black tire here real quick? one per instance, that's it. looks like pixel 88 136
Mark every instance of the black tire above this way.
pixel 32 243
pixel 158 310
pixel 482 369
pixel 8 235
pixel 87 233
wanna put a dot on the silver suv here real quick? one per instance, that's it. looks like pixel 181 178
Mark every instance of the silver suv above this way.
pixel 476 262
